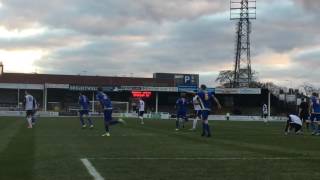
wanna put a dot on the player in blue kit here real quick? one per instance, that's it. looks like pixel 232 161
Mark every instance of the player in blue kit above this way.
pixel 106 105
pixel 84 110
pixel 205 99
pixel 182 107
pixel 315 114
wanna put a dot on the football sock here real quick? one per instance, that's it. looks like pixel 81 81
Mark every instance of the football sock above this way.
pixel 181 123
pixel 194 125
pixel 33 119
pixel 177 124
pixel 313 127
pixel 203 128
pixel 29 119
pixel 106 127
pixel 208 129
pixel 81 120
pixel 90 121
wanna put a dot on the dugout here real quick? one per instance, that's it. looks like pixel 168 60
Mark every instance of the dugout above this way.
pixel 245 103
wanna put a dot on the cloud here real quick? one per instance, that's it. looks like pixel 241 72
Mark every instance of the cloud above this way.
pixel 312 5
pixel 48 40
pixel 296 67
pixel 101 17
pixel 146 36
pixel 310 58
pixel 283 26
pixel 201 45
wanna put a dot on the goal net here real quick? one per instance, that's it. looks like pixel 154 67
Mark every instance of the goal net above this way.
pixel 118 106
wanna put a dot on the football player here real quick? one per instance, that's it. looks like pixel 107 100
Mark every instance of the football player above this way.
pixel 84 110
pixel 106 105
pixel 29 107
pixel 205 98
pixel 181 105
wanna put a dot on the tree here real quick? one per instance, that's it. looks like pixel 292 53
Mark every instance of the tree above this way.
pixel 308 89
pixel 225 78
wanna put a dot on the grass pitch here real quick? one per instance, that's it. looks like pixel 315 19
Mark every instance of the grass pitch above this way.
pixel 154 151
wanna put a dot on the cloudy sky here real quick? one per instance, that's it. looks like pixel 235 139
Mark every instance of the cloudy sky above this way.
pixel 140 37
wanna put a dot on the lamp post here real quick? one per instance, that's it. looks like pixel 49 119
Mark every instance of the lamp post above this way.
pixel 269 101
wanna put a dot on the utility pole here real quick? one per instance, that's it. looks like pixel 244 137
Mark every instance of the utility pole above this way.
pixel 242 11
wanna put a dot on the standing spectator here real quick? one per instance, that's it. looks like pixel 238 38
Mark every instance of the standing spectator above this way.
pixel 304 112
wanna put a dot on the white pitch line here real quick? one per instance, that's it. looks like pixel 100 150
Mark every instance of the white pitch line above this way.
pixel 92 171
pixel 206 158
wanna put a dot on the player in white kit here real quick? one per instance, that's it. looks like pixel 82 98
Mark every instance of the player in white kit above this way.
pixel 197 112
pixel 293 122
pixel 29 105
pixel 141 110
pixel 265 113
